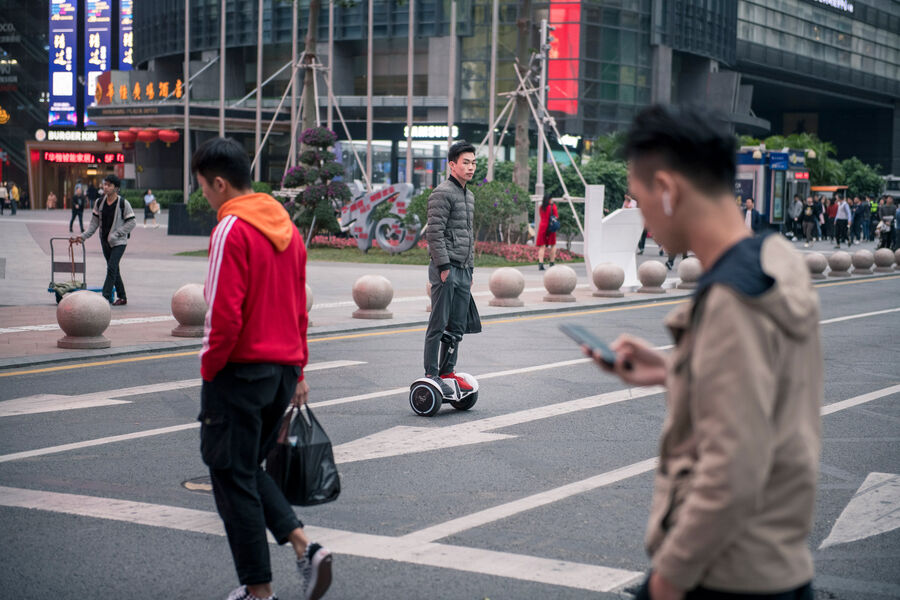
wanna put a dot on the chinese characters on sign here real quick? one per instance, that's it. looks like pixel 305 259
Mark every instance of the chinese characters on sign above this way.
pixel 62 59
pixel 98 36
pixel 126 35
pixel 86 158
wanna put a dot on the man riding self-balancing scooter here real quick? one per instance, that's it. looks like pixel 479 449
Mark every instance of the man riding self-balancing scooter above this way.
pixel 451 245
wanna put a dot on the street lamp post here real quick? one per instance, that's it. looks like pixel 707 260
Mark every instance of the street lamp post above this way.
pixel 186 138
pixel 369 74
pixel 451 91
pixel 492 101
pixel 221 69
pixel 259 66
pixel 410 50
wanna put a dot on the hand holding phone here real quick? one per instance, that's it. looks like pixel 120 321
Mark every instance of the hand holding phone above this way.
pixel 585 338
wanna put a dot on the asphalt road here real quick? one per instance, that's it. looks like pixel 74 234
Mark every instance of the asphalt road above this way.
pixel 93 502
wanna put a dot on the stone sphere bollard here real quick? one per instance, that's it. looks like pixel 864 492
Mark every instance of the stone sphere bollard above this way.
pixel 428 293
pixel 897 258
pixel 862 262
pixel 689 270
pixel 560 281
pixel 309 298
pixel 652 274
pixel 609 279
pixel 83 316
pixel 816 263
pixel 839 262
pixel 884 260
pixel 506 284
pixel 189 309
pixel 372 294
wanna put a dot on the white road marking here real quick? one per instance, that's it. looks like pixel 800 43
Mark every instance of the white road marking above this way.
pixel 55 326
pixel 97 442
pixel 859 316
pixel 41 403
pixel 874 509
pixel 473 560
pixel 515 507
pixel 409 440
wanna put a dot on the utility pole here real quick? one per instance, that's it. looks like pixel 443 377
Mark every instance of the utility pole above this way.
pixel 542 91
pixel 492 102
pixel 292 159
pixel 328 117
pixel 451 94
pixel 523 113
pixel 369 75
pixel 221 68
pixel 186 183
pixel 259 66
pixel 410 66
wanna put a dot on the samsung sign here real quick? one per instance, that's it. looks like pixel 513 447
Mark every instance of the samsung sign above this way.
pixel 843 5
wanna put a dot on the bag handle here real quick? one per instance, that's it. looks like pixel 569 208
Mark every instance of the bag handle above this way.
pixel 285 426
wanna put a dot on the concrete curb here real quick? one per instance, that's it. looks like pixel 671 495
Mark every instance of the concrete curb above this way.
pixel 366 327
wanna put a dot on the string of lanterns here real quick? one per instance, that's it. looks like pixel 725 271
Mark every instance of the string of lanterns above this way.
pixel 136 134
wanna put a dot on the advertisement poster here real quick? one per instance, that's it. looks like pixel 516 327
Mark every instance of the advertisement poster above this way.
pixel 126 35
pixel 97 38
pixel 563 58
pixel 743 189
pixel 63 55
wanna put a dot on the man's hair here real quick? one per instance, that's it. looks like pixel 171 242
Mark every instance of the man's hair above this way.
pixel 460 147
pixel 692 141
pixel 113 179
pixel 225 158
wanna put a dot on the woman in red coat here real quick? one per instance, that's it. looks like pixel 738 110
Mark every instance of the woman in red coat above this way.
pixel 544 239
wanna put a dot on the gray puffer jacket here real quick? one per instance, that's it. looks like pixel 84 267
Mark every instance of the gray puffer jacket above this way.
pixel 450 235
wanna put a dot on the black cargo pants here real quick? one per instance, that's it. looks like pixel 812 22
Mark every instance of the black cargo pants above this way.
pixel 449 311
pixel 239 414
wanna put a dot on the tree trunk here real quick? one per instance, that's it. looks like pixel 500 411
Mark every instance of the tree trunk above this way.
pixel 523 113
pixel 310 102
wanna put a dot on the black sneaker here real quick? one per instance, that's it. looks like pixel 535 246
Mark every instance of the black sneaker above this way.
pixel 540 266
pixel 446 390
pixel 669 265
pixel 242 593
pixel 315 570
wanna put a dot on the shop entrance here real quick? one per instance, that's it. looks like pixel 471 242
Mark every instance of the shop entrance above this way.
pixel 58 169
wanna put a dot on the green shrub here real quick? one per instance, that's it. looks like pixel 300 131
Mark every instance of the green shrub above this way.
pixel 165 197
pixel 197 204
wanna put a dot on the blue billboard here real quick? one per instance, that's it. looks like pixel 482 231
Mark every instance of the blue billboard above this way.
pixel 97 38
pixel 63 56
pixel 126 35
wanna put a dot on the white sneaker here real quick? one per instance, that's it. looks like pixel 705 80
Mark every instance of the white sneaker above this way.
pixel 315 570
pixel 806 245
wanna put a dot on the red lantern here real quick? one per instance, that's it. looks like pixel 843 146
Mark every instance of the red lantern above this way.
pixel 134 129
pixel 127 137
pixel 148 136
pixel 169 136
pixel 106 136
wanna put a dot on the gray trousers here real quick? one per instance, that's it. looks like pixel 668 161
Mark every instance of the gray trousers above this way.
pixel 449 310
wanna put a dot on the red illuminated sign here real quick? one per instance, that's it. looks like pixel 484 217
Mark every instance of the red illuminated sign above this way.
pixel 801 175
pixel 84 158
pixel 562 66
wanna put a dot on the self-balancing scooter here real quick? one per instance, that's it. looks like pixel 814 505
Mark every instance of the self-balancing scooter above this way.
pixel 425 396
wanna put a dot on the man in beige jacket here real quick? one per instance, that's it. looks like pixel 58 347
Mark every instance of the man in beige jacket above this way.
pixel 734 490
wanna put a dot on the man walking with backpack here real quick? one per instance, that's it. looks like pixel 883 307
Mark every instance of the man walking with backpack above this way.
pixel 113 216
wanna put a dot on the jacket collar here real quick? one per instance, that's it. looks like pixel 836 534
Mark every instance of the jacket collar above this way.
pixel 454 180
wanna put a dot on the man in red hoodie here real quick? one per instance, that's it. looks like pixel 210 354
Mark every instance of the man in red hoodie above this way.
pixel 254 351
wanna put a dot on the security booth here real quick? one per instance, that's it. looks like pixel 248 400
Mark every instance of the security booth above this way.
pixel 771 179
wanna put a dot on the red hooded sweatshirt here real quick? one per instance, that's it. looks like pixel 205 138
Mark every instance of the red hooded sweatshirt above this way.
pixel 255 288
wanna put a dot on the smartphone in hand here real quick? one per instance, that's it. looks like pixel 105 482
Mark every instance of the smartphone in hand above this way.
pixel 585 338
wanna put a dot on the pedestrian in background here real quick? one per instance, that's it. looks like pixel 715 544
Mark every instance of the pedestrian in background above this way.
pixel 78 203
pixel 546 238
pixel 113 216
pixel 14 198
pixel 4 196
pixel 51 201
pixel 254 352
pixel 794 217
pixel 808 221
pixel 753 221
pixel 735 484
pixel 842 218
pixel 149 205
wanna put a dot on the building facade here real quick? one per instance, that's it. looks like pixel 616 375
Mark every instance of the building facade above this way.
pixel 830 67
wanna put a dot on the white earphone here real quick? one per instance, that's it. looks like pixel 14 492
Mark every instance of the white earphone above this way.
pixel 667 204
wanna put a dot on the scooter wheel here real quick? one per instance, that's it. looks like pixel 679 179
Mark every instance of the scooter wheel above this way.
pixel 466 403
pixel 425 400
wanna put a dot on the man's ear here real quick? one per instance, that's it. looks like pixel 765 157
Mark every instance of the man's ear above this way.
pixel 666 184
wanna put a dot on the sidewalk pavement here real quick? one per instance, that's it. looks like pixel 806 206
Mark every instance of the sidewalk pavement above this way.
pixel 152 273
